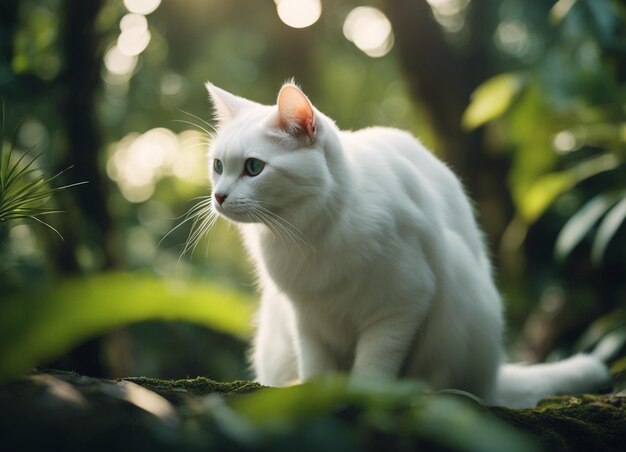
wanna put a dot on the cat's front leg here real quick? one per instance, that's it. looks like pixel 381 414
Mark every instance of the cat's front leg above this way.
pixel 274 351
pixel 383 346
pixel 314 357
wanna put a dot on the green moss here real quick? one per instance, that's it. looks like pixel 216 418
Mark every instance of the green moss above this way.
pixel 175 389
pixel 587 422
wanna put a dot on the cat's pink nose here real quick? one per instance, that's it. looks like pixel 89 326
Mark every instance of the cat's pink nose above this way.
pixel 220 197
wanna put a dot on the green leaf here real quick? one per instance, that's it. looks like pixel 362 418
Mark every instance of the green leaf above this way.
pixel 605 18
pixel 36 327
pixel 609 226
pixel 560 10
pixel 353 405
pixel 532 138
pixel 543 192
pixel 491 99
pixel 579 225
pixel 290 406
pixel 455 425
pixel 615 320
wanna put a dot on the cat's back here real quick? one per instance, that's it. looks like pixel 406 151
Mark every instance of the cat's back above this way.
pixel 384 148
pixel 390 160
pixel 389 156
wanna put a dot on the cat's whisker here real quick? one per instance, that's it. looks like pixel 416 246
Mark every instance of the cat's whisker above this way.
pixel 294 231
pixel 195 143
pixel 208 132
pixel 210 228
pixel 191 237
pixel 204 140
pixel 277 230
pixel 205 200
pixel 203 197
pixel 198 118
pixel 290 231
pixel 293 237
pixel 202 145
pixel 205 222
pixel 192 213
pixel 204 217
pixel 197 210
pixel 193 242
pixel 273 227
pixel 289 235
pixel 258 217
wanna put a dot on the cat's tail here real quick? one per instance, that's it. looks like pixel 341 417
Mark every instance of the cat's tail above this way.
pixel 523 386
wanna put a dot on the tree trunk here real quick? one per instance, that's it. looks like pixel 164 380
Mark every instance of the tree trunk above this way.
pixel 8 23
pixel 88 224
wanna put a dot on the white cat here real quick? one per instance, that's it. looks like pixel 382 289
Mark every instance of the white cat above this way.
pixel 368 255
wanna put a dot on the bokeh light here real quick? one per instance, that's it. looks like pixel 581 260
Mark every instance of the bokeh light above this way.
pixel 564 142
pixel 299 13
pixel 23 242
pixel 33 134
pixel 135 35
pixel 138 161
pixel 142 6
pixel 370 30
pixel 450 14
pixel 119 63
pixel 190 164
pixel 512 37
pixel 133 20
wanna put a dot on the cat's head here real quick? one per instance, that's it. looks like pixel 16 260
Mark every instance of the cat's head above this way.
pixel 268 160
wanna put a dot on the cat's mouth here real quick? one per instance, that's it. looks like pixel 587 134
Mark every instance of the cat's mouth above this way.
pixel 236 213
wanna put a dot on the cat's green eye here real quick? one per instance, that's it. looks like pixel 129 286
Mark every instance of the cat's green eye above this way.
pixel 254 166
pixel 218 166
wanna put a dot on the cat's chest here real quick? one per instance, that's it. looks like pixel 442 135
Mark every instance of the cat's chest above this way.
pixel 306 274
pixel 357 265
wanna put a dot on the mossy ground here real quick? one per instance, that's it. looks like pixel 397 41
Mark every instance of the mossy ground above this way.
pixel 586 422
pixel 173 390
pixel 64 410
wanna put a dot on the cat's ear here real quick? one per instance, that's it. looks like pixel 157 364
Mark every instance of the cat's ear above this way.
pixel 226 105
pixel 295 113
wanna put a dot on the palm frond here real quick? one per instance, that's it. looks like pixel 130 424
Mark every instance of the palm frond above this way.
pixel 25 190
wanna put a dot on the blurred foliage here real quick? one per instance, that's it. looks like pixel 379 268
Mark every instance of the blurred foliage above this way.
pixel 491 100
pixel 39 326
pixel 565 120
pixel 363 413
pixel 559 113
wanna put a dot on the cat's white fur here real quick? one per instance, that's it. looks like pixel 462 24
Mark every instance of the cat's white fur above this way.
pixel 369 257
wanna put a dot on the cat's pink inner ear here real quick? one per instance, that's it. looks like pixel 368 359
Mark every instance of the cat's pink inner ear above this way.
pixel 295 111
